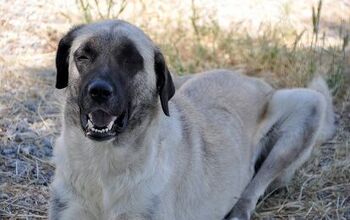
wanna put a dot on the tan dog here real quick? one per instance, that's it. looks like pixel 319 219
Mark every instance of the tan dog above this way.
pixel 131 149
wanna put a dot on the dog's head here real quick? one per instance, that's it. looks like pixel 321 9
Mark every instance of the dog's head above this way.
pixel 114 74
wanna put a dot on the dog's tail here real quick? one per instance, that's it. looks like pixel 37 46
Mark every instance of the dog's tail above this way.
pixel 328 125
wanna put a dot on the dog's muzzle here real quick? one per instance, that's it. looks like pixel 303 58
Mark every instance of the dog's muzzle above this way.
pixel 100 122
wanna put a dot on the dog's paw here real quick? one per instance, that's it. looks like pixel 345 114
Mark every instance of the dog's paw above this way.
pixel 239 216
pixel 241 211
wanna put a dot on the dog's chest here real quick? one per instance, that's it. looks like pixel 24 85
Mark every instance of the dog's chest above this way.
pixel 137 204
pixel 114 198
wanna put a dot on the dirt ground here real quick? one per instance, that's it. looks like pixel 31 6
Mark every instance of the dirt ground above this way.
pixel 30 112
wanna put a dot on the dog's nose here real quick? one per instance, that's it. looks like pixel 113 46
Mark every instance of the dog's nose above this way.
pixel 100 91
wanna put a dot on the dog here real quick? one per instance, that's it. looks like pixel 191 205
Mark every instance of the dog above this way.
pixel 139 143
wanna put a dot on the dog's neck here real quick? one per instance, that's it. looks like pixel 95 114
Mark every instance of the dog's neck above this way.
pixel 131 154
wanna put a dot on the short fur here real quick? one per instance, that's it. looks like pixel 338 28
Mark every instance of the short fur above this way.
pixel 227 139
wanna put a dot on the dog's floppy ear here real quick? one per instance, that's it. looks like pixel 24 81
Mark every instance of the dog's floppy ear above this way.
pixel 62 58
pixel 165 85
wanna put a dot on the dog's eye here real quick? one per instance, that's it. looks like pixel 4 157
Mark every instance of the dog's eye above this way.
pixel 82 58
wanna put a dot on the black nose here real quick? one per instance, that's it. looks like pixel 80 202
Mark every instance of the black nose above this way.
pixel 100 91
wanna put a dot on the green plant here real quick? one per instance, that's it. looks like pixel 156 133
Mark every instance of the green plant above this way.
pixel 98 10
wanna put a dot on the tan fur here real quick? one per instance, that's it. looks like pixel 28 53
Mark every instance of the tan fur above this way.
pixel 199 162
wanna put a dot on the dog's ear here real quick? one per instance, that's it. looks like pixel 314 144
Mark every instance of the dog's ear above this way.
pixel 165 85
pixel 62 58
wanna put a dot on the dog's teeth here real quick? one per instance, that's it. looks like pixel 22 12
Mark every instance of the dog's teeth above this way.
pixel 110 125
pixel 90 125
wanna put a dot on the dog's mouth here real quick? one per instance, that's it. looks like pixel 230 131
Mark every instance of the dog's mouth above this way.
pixel 99 125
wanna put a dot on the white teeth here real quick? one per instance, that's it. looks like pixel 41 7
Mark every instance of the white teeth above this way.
pixel 110 125
pixel 91 127
pixel 99 130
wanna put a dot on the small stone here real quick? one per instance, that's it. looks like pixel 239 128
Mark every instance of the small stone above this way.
pixel 18 138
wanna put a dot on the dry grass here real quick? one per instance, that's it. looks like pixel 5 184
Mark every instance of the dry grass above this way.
pixel 272 39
